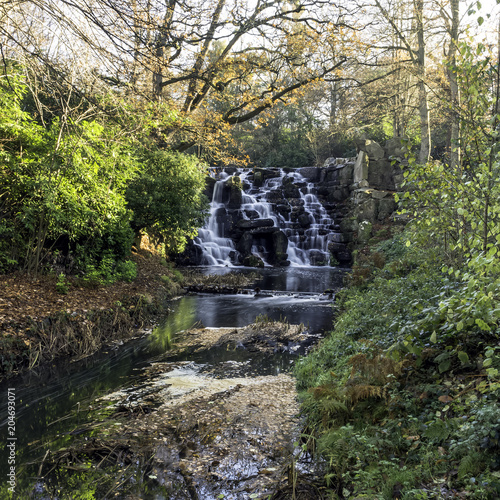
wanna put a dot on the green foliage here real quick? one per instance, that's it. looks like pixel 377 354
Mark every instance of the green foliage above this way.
pixel 108 271
pixel 379 409
pixel 63 181
pixel 126 271
pixel 167 197
pixel 62 184
pixel 62 285
pixel 283 142
pixel 479 433
pixel 459 205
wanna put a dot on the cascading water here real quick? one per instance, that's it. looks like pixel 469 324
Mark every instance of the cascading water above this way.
pixel 309 242
pixel 217 250
pixel 272 219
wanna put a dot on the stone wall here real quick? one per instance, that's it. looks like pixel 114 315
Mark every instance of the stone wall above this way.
pixel 363 186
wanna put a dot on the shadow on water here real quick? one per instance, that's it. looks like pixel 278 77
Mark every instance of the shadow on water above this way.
pixel 46 399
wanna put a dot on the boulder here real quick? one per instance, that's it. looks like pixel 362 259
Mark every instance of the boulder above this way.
pixel 386 208
pixel 330 162
pixel 252 214
pixel 244 245
pixel 341 253
pixel 319 258
pixel 258 178
pixel 279 242
pixel 310 173
pixel 263 230
pixel 275 196
pixel 253 261
pixel 373 149
pixel 254 223
pixel 283 210
pixel 380 174
pixel 338 194
pixel 209 187
pixel 291 191
pixel 191 256
pixel 349 225
pixel 361 167
pixel 345 174
pixel 304 220
pixel 235 192
pixel 367 210
pixel 396 147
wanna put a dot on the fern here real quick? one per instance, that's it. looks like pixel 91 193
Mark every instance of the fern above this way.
pixel 437 431
pixel 470 465
pixel 377 369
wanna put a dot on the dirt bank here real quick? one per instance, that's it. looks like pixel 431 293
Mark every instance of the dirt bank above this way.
pixel 38 324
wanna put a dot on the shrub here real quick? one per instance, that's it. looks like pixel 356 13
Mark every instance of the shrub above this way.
pixel 62 285
pixel 126 270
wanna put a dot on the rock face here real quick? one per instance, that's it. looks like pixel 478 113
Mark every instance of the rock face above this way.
pixel 308 216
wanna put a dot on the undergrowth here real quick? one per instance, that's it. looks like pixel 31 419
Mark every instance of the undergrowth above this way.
pixel 401 399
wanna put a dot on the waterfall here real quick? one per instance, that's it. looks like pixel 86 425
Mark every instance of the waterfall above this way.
pixel 217 250
pixel 310 245
pixel 266 217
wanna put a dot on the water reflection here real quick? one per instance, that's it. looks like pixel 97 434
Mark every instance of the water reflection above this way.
pixel 240 310
pixel 291 279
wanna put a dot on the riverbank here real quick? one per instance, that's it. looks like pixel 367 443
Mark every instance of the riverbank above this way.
pixel 38 323
pixel 402 398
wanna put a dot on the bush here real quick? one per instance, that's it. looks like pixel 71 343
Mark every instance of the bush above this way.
pixel 167 197
pixel 126 271
pixel 62 285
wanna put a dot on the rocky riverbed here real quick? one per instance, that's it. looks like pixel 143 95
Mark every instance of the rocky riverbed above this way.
pixel 213 430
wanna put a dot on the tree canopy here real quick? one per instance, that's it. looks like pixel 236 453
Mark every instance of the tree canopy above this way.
pixel 215 64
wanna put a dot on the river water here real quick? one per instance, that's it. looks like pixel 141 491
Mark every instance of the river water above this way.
pixel 46 399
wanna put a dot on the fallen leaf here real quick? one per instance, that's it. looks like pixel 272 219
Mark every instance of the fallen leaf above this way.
pixel 445 399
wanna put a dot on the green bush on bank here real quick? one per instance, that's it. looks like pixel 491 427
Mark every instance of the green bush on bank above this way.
pixel 402 401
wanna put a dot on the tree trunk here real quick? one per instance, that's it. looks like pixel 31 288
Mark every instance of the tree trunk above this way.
pixel 423 107
pixel 455 153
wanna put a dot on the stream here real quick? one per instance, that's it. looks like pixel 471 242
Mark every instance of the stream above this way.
pixel 47 402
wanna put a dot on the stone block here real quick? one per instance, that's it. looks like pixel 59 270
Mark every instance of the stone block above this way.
pixel 345 174
pixel 386 208
pixel 379 194
pixel 380 174
pixel 367 211
pixel 209 187
pixel 395 147
pixel 312 174
pixel 304 220
pixel 373 149
pixel 244 245
pixel 255 223
pixel 338 194
pixel 361 167
pixel 349 224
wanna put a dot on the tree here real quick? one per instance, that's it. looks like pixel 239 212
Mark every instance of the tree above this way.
pixel 164 52
pixel 61 184
pixel 452 22
pixel 413 42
